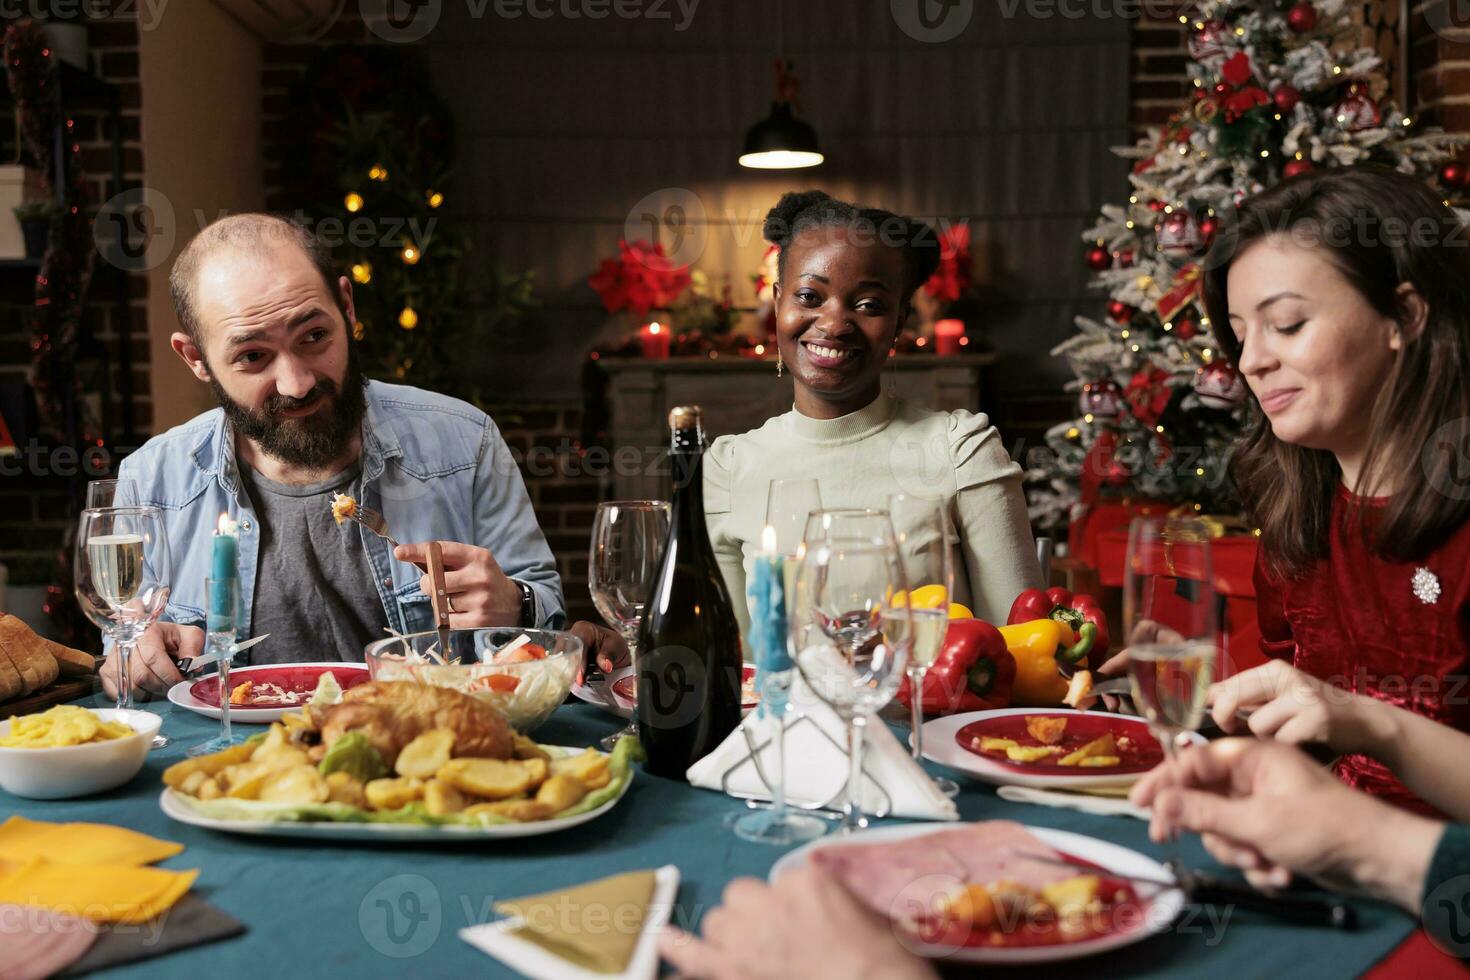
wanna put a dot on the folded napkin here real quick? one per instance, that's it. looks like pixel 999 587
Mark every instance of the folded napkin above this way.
pixel 605 928
pixel 35 943
pixel 1085 801
pixel 99 892
pixel 192 922
pixel 817 763
pixel 80 843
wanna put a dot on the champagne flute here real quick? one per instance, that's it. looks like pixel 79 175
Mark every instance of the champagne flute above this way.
pixel 788 505
pixel 121 571
pixel 847 577
pixel 1169 611
pixel 919 527
pixel 111 493
pixel 627 540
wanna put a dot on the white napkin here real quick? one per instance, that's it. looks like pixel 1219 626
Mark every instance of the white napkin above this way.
pixel 817 766
pixel 538 963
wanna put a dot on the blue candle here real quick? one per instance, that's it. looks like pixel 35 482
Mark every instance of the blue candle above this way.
pixel 223 567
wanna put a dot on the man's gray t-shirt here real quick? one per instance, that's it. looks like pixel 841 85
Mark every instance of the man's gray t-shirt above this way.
pixel 314 588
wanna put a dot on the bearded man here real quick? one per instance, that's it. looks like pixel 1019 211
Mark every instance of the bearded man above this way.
pixel 267 325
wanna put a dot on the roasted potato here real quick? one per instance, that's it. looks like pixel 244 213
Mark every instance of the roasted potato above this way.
pixel 343 787
pixel 193 781
pixel 524 748
pixel 299 784
pixel 210 765
pixel 209 789
pixel 494 779
pixel 560 791
pixel 523 811
pixel 423 756
pixel 1103 745
pixel 1027 753
pixel 243 782
pixel 1046 729
pixel 392 794
pixel 988 744
pixel 441 798
pixel 590 768
pixel 280 757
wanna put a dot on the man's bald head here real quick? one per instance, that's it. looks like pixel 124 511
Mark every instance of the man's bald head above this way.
pixel 252 233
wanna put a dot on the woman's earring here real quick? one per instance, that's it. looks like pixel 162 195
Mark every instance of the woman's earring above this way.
pixel 893 373
pixel 780 365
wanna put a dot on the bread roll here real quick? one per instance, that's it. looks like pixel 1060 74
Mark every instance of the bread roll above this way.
pixel 71 663
pixel 27 654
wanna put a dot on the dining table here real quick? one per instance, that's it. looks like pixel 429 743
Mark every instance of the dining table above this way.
pixel 363 910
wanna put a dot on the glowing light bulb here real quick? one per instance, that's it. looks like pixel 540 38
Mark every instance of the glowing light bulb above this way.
pixel 353 202
pixel 362 273
pixel 408 319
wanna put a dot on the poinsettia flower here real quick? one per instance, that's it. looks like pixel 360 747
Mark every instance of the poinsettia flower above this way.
pixel 1245 100
pixel 642 278
pixel 953 275
pixel 1237 71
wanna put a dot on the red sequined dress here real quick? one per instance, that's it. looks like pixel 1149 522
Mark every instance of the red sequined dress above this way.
pixel 1397 631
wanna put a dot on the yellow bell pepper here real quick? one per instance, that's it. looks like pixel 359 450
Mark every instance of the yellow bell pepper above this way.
pixel 1035 645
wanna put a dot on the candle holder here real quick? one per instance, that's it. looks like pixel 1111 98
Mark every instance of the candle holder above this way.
pixel 222 601
pixel 948 337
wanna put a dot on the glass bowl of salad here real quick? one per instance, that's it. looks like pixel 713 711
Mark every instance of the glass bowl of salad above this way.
pixel 525 673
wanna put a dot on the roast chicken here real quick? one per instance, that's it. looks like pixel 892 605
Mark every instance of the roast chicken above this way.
pixel 390 714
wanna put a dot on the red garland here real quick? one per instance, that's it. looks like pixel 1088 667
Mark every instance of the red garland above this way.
pixel 1148 395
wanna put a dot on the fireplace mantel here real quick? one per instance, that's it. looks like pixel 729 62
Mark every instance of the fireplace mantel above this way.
pixel 741 393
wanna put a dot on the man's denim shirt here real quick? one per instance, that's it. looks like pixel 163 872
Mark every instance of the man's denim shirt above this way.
pixel 435 467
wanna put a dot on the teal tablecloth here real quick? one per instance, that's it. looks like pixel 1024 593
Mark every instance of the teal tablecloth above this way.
pixel 351 910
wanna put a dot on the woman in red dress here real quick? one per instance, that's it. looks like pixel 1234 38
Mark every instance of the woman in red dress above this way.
pixel 1344 299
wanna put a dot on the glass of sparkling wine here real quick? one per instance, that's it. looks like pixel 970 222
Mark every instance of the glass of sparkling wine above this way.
pixel 919 527
pixel 627 540
pixel 121 576
pixel 1170 612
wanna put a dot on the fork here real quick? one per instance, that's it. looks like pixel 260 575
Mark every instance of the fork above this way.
pixel 373 521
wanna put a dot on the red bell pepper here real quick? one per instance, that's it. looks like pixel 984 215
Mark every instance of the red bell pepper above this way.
pixel 1080 612
pixel 973 672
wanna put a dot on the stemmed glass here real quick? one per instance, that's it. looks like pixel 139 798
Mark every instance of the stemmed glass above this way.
pixel 222 605
pixel 1169 611
pixel 788 505
pixel 919 526
pixel 627 540
pixel 848 636
pixel 111 493
pixel 121 570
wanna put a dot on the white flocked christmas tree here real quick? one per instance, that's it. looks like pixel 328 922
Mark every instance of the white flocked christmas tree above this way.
pixel 1278 88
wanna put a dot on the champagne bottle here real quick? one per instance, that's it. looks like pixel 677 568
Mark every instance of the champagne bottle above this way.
pixel 689 661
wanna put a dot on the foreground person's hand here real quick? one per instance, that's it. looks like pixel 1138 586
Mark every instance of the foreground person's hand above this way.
pixel 480 593
pixel 805 925
pixel 152 668
pixel 1271 811
pixel 1294 707
pixel 605 648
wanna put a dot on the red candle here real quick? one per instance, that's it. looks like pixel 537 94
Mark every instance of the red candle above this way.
pixel 948 336
pixel 655 338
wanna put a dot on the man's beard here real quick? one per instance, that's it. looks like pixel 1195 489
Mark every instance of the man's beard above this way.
pixel 312 441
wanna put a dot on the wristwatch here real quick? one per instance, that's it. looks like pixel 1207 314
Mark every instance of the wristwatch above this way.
pixel 528 605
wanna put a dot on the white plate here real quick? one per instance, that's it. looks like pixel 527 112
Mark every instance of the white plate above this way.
pixel 180 695
pixel 173 805
pixel 940 746
pixel 1164 909
pixel 601 694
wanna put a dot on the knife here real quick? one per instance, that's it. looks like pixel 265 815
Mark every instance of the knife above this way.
pixel 191 663
pixel 439 597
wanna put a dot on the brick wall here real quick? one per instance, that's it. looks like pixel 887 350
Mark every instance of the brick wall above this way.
pixel 1439 59
pixel 33 511
pixel 1159 82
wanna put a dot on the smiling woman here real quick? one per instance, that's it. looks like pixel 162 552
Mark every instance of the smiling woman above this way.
pixel 846 276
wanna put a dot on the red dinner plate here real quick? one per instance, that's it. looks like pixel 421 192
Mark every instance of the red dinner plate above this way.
pixel 626 687
pixel 291 680
pixel 1142 753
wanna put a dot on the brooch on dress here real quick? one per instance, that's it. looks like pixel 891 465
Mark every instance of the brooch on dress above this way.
pixel 1426 586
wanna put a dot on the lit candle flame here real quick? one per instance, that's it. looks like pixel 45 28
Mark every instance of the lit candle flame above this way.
pixel 226 525
pixel 768 540
pixel 654 327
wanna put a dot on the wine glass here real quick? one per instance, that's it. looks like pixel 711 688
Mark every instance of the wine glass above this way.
pixel 111 493
pixel 846 580
pixel 627 540
pixel 1169 611
pixel 222 605
pixel 919 527
pixel 788 505
pixel 121 570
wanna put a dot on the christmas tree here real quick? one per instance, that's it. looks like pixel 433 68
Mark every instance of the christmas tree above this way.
pixel 1279 89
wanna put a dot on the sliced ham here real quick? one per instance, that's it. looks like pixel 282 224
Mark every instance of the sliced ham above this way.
pixel 900 878
pixel 35 943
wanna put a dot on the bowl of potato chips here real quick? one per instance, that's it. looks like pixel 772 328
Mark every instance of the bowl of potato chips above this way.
pixel 71 751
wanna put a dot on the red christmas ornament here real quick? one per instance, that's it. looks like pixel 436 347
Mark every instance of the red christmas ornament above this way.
pixel 1286 97
pixel 1119 311
pixel 1116 473
pixel 1186 330
pixel 1099 259
pixel 1209 227
pixel 1126 258
pixel 1295 167
pixel 1157 206
pixel 1454 174
pixel 1302 18
pixel 1357 110
pixel 1221 89
pixel 1179 237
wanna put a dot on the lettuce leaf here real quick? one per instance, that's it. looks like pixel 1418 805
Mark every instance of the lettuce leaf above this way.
pixel 354 754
